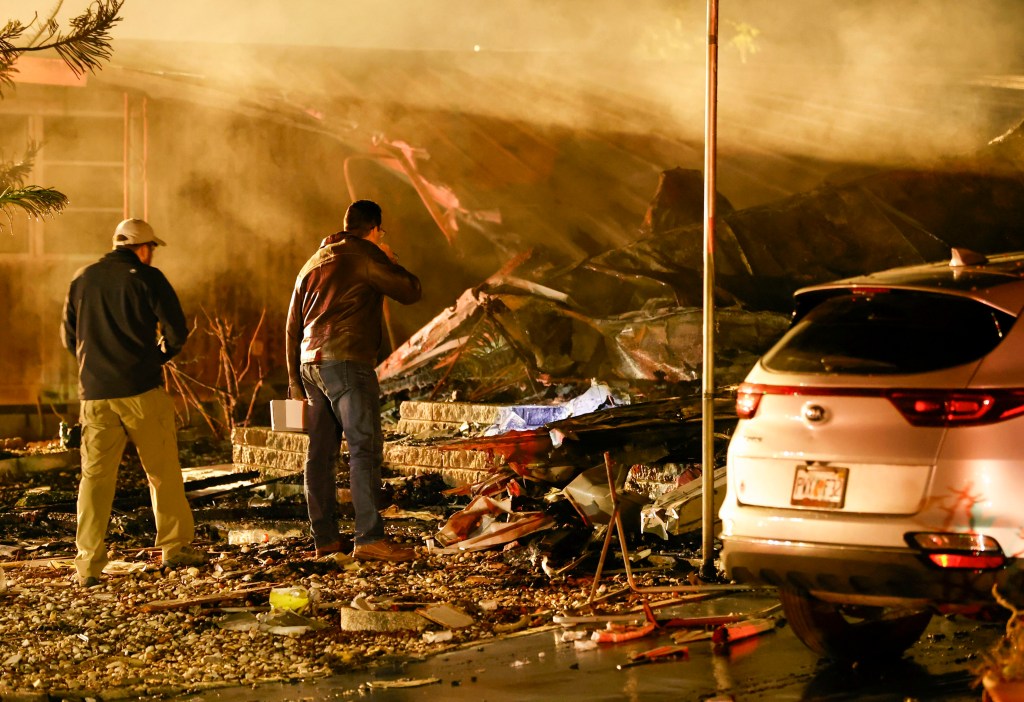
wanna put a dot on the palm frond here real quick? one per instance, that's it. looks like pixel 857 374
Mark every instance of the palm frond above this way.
pixel 8 52
pixel 33 200
pixel 83 48
pixel 10 32
pixel 14 173
pixel 88 44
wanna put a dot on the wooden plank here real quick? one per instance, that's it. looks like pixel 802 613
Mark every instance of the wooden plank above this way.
pixel 39 563
pixel 230 596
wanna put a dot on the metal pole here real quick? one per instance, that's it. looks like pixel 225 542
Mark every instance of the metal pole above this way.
pixel 708 380
pixel 126 165
pixel 145 158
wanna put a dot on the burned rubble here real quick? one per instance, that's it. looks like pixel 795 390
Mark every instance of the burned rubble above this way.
pixel 266 609
pixel 633 314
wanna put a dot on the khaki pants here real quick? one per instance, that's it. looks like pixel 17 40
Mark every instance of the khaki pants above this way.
pixel 148 420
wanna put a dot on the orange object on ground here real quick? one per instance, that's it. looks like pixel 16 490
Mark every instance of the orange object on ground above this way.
pixel 618 634
pixel 742 630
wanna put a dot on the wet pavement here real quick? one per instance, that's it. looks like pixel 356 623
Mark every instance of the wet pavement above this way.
pixel 774 666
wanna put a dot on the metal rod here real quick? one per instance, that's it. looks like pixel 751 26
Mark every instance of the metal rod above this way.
pixel 707 569
pixel 145 158
pixel 125 205
pixel 604 554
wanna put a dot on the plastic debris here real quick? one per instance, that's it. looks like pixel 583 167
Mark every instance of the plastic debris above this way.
pixel 691 635
pixel 287 623
pixel 344 560
pixel 573 619
pixel 589 494
pixel 680 511
pixel 729 633
pixel 617 634
pixel 486 522
pixel 293 598
pixel 239 621
pixel 655 655
pixel 401 683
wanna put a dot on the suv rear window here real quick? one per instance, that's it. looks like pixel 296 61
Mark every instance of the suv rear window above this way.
pixel 889 332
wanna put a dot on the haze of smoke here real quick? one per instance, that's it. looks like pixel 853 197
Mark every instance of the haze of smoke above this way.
pixel 864 79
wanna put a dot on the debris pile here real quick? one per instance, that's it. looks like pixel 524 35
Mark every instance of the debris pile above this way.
pixel 507 555
pixel 150 631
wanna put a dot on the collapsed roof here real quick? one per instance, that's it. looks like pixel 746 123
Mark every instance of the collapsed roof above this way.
pixel 635 313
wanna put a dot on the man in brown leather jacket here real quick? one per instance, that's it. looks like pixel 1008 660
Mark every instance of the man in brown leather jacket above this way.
pixel 334 333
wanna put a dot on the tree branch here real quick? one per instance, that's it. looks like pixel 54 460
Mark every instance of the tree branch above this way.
pixel 33 200
pixel 83 49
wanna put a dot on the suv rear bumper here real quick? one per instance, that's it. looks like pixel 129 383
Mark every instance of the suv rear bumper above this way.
pixel 858 574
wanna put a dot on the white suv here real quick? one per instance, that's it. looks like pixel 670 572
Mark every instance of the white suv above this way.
pixel 876 474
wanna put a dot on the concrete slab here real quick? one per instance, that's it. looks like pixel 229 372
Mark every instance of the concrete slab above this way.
pixel 265 534
pixel 454 412
pixel 12 469
pixel 276 454
pixel 368 620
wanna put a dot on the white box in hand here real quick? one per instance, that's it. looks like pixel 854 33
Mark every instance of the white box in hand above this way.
pixel 288 415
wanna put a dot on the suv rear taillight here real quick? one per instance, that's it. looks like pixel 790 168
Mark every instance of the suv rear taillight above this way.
pixel 949 408
pixel 922 408
pixel 958 550
pixel 748 397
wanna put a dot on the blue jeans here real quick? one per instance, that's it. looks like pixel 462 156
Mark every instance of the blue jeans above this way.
pixel 343 397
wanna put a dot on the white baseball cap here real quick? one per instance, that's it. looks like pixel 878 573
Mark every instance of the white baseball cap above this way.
pixel 135 231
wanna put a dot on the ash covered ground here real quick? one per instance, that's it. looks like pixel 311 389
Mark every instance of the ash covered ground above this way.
pixel 151 631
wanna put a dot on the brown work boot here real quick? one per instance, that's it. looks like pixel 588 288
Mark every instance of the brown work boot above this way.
pixel 383 550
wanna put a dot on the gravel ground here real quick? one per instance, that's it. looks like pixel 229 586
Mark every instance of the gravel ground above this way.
pixel 59 641
pixel 73 643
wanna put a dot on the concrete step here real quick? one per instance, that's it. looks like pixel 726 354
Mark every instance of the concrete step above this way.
pixel 450 412
pixel 421 428
pixel 282 453
pixel 429 419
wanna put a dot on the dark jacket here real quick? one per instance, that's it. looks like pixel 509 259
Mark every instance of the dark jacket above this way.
pixel 123 321
pixel 336 308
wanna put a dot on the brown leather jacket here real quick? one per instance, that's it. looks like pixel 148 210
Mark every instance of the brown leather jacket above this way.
pixel 336 308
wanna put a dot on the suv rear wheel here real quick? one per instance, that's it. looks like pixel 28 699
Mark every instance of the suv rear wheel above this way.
pixel 852 633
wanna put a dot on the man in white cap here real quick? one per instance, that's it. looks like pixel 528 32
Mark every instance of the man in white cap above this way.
pixel 123 321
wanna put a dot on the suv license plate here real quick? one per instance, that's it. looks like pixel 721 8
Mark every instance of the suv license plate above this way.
pixel 819 487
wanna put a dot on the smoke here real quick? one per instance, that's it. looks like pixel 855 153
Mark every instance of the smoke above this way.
pixel 854 83
pixel 858 80
pixel 801 83
pixel 877 81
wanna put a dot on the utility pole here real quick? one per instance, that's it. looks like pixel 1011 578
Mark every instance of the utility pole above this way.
pixel 707 569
